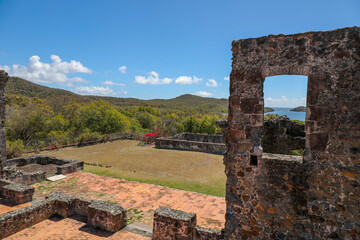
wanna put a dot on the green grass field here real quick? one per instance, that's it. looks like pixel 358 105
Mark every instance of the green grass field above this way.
pixel 186 170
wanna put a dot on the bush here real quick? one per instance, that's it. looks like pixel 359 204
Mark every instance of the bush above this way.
pixel 149 138
pixel 89 138
pixel 14 148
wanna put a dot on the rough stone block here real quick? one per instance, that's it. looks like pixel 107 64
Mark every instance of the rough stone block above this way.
pixel 67 168
pixel 18 193
pixel 318 141
pixel 173 224
pixel 251 105
pixel 64 203
pixel 107 216
pixel 207 234
pixel 81 206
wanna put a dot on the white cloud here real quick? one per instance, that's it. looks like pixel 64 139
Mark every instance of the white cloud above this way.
pixel 111 83
pixel 6 68
pixel 226 78
pixel 152 79
pixel 122 69
pixel 211 83
pixel 285 102
pixel 182 80
pixel 55 72
pixel 203 93
pixel 124 92
pixel 94 90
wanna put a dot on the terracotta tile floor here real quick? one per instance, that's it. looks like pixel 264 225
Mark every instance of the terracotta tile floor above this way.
pixel 210 210
pixel 7 207
pixel 73 228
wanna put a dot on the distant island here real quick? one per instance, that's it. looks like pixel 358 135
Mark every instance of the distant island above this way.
pixel 267 109
pixel 298 109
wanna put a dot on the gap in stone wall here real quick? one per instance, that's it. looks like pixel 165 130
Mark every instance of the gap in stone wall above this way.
pixel 283 93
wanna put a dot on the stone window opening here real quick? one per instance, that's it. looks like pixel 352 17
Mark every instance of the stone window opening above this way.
pixel 283 138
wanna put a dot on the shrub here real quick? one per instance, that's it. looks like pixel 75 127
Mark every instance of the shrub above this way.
pixel 88 138
pixel 14 148
pixel 149 138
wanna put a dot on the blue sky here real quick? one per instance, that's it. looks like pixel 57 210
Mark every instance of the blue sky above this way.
pixel 154 49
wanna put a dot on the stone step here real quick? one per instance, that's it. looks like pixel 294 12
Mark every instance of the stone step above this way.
pixel 139 228
pixel 56 178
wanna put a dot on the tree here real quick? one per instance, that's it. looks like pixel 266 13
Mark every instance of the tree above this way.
pixel 102 117
pixel 26 122
pixel 146 120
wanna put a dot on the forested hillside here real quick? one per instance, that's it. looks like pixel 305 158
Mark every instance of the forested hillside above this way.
pixel 19 86
pixel 43 116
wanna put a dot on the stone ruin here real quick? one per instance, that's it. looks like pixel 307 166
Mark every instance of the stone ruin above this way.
pixel 318 198
pixel 193 142
pixel 267 198
pixel 280 136
pixel 3 80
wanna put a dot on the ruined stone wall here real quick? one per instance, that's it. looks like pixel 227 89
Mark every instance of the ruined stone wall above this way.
pixel 209 143
pixel 3 80
pixel 15 193
pixel 198 137
pixel 166 143
pixel 19 176
pixel 282 135
pixel 104 215
pixel 316 199
pixel 171 224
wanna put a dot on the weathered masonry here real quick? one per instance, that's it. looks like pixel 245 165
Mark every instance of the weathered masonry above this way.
pixel 316 199
pixel 3 80
pixel 280 136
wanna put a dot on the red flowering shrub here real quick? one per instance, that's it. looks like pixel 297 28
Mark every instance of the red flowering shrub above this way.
pixel 89 138
pixel 149 138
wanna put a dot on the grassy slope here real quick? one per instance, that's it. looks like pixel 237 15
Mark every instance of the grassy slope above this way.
pixel 191 171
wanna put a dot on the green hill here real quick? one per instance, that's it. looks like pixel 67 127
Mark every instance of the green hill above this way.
pixel 25 88
pixel 298 109
pixel 268 109
pixel 21 88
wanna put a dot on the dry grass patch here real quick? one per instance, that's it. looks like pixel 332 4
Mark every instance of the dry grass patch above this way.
pixel 186 170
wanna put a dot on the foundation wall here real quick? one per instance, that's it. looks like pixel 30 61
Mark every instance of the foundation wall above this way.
pixel 217 148
pixel 28 178
pixel 65 206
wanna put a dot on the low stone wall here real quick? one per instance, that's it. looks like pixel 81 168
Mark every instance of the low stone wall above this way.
pixel 280 136
pixel 174 224
pixel 15 221
pixel 19 176
pixel 283 135
pixel 166 143
pixel 15 193
pixel 22 177
pixel 198 137
pixel 112 217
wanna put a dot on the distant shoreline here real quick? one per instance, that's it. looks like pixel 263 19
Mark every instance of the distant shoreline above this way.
pixel 268 109
pixel 298 109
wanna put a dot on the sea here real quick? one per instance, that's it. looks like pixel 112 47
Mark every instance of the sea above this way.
pixel 286 111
